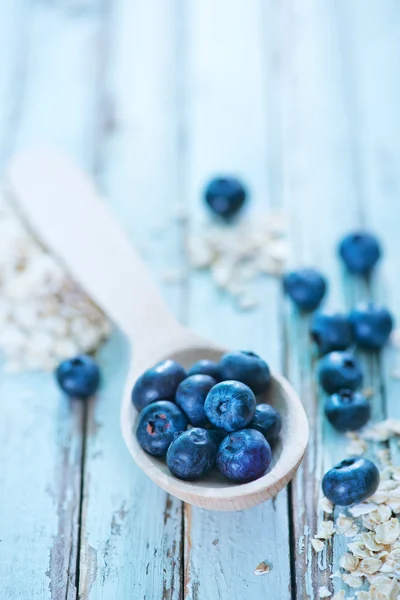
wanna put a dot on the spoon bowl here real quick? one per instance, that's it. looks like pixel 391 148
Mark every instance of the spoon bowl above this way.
pixel 214 492
pixel 63 209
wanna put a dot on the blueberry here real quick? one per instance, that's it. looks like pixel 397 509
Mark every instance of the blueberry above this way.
pixel 244 456
pixel 248 368
pixel 372 325
pixel 158 383
pixel 347 410
pixel 351 481
pixel 192 454
pixel 230 405
pixel 78 377
pixel 339 370
pixel 225 196
pixel 331 331
pixel 267 421
pixel 360 252
pixel 306 287
pixel 158 423
pixel 191 395
pixel 206 367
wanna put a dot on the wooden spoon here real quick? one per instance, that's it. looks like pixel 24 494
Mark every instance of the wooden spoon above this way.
pixel 63 209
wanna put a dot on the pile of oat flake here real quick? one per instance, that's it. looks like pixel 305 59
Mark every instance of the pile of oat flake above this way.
pixel 372 559
pixel 44 316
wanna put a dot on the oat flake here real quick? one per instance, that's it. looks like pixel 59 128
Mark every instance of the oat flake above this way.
pixel 44 316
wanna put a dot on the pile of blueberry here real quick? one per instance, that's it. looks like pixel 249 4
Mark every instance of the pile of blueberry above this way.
pixel 208 416
pixel 336 335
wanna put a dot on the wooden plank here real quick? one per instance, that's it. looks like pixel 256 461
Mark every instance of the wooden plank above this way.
pixel 375 62
pixel 131 530
pixel 14 26
pixel 353 206
pixel 42 433
pixel 319 191
pixel 369 50
pixel 40 488
pixel 226 131
pixel 59 102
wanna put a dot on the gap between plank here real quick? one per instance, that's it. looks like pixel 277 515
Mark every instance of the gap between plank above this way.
pixel 85 428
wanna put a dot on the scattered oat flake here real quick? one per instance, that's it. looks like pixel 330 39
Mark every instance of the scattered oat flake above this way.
pixel 339 596
pixel 349 562
pixel 382 431
pixel 357 446
pixel 381 514
pixel 326 505
pixel 384 457
pixel 358 549
pixel 363 596
pixel 370 565
pixel 262 569
pixel 336 575
pixel 318 545
pixel 343 524
pixel 380 497
pixel 352 581
pixel 352 531
pixel 324 592
pixel 368 392
pixel 362 509
pixel 238 254
pixel 388 532
pixel 326 530
pixel 369 542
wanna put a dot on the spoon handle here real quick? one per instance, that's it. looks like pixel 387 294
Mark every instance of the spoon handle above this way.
pixel 62 208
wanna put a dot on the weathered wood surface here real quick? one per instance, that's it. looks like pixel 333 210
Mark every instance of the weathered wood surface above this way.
pixel 301 99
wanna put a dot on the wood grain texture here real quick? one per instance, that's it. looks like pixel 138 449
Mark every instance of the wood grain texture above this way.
pixel 345 189
pixel 318 193
pixel 41 433
pixel 226 131
pixel 131 529
pixel 301 100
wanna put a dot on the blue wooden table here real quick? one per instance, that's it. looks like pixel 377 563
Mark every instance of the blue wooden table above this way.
pixel 301 99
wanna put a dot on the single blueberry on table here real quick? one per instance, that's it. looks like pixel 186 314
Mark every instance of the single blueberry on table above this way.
pixel 305 287
pixel 230 405
pixel 267 420
pixel 206 367
pixel 157 425
pixel 372 325
pixel 351 481
pixel 192 454
pixel 191 395
pixel 78 377
pixel 225 196
pixel 244 456
pixel 339 370
pixel 360 252
pixel 347 410
pixel 158 383
pixel 248 368
pixel 331 331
